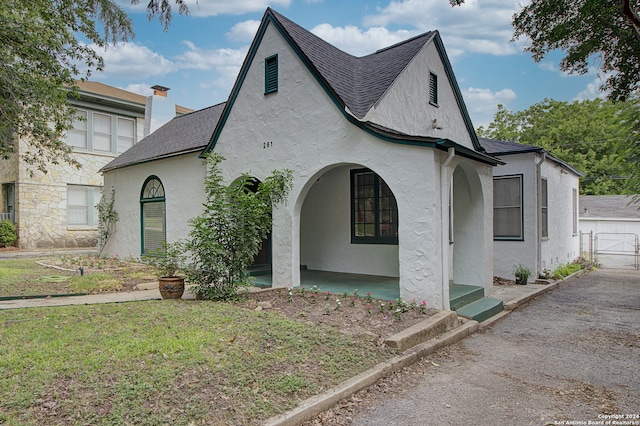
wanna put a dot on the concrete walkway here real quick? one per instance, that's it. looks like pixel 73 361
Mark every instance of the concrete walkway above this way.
pixel 512 296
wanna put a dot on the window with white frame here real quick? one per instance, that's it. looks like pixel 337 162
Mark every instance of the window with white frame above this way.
pixel 102 132
pixel 507 208
pixel 81 205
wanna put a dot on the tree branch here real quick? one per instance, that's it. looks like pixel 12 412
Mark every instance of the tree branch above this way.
pixel 631 16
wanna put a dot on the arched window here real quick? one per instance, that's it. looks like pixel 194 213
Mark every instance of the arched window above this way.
pixel 152 214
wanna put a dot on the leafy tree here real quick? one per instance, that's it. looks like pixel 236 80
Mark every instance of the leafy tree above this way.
pixel 594 136
pixel 226 237
pixel 107 219
pixel 608 30
pixel 41 56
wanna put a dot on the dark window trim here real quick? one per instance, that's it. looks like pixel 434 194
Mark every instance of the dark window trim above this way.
pixel 544 206
pixel 271 74
pixel 368 240
pixel 144 201
pixel 521 237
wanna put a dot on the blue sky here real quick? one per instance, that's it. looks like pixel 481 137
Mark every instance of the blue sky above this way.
pixel 200 55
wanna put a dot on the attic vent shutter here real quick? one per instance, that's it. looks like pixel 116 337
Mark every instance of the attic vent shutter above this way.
pixel 271 74
pixel 433 89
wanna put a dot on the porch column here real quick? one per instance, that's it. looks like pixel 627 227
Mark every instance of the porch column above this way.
pixel 285 249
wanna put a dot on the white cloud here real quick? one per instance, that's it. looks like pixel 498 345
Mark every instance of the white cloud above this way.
pixel 224 63
pixel 243 31
pixel 203 8
pixel 143 89
pixel 127 59
pixel 357 42
pixel 482 104
pixel 478 26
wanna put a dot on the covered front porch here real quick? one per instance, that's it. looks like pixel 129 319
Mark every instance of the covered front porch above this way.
pixel 380 287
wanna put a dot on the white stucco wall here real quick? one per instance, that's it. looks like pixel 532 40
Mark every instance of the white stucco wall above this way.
pixel 405 106
pixel 183 181
pixel 562 245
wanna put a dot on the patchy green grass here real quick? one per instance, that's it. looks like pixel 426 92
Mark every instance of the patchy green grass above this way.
pixel 166 362
pixel 26 277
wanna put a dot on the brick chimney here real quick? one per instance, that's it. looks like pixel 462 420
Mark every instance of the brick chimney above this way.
pixel 159 110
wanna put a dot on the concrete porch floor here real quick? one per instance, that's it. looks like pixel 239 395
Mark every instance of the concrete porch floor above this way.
pixel 383 288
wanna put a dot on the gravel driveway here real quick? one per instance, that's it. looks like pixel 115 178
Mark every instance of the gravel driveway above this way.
pixel 570 357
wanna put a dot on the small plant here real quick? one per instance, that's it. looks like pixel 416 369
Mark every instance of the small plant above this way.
pixel 338 304
pixel 327 295
pixel 107 219
pixel 352 302
pixel 314 298
pixel 290 295
pixel 7 233
pixel 326 309
pixel 564 271
pixel 355 293
pixel 423 307
pixel 381 307
pixel 413 305
pixel 168 259
pixel 522 273
pixel 345 294
pixel 390 305
pixel 368 297
pixel 368 310
pixel 397 314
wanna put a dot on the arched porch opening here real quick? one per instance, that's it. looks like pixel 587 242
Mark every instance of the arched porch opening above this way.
pixel 467 257
pixel 349 232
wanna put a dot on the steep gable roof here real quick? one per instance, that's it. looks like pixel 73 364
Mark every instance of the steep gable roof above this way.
pixel 184 134
pixel 500 148
pixel 357 83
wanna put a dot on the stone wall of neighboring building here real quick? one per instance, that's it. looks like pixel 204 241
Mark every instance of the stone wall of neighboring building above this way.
pixel 41 203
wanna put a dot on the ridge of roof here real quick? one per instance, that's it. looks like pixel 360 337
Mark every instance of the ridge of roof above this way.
pixel 185 133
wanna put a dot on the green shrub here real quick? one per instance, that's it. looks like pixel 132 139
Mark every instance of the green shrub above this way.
pixel 564 271
pixel 7 233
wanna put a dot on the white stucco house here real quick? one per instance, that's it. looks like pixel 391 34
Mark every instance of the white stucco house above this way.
pixel 535 216
pixel 389 176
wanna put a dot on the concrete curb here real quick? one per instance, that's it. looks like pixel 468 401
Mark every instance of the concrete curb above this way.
pixel 315 405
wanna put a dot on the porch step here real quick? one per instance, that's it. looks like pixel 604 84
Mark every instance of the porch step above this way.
pixel 461 295
pixel 481 309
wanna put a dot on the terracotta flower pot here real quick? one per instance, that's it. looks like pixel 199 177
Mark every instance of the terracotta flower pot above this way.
pixel 171 287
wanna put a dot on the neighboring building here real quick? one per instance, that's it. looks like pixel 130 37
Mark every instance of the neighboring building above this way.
pixel 57 209
pixel 535 213
pixel 377 146
pixel 613 225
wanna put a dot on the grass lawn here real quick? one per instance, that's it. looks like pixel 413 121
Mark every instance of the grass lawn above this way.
pixel 166 362
pixel 27 277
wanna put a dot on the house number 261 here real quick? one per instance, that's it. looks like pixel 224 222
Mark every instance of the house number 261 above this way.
pixel 268 144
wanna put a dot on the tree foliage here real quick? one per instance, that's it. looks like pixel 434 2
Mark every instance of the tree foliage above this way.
pixel 603 32
pixel 594 136
pixel 41 56
pixel 226 237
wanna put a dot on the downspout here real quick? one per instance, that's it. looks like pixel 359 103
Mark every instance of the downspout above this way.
pixel 539 210
pixel 444 206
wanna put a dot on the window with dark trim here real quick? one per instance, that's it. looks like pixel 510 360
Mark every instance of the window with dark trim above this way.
pixel 152 215
pixel 433 88
pixel 507 208
pixel 574 210
pixel 544 208
pixel 271 74
pixel 374 211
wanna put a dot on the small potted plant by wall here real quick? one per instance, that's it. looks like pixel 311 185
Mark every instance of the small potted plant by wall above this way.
pixel 522 274
pixel 168 261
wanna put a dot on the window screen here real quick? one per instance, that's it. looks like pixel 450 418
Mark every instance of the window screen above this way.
pixel 507 207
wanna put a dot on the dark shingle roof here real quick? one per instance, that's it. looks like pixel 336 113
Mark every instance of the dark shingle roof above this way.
pixel 608 206
pixel 186 133
pixel 358 82
pixel 499 148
